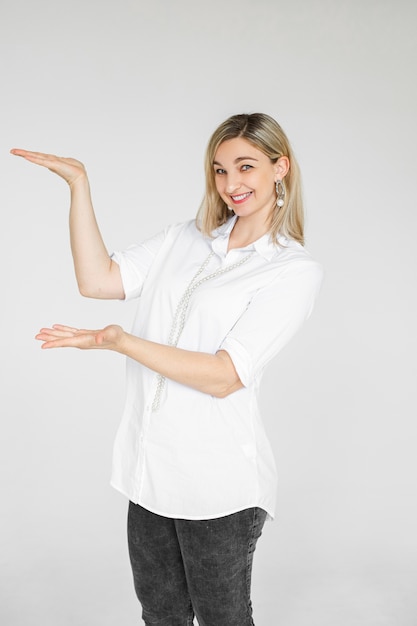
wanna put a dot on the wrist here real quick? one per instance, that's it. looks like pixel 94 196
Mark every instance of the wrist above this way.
pixel 121 343
pixel 80 182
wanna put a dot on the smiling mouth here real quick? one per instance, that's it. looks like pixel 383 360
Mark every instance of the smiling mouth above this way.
pixel 241 198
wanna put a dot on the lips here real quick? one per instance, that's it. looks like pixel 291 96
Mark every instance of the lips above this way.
pixel 241 198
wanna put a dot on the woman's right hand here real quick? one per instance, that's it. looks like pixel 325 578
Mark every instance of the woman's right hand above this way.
pixel 98 276
pixel 69 169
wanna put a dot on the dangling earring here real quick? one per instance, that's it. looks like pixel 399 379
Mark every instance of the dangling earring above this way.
pixel 280 190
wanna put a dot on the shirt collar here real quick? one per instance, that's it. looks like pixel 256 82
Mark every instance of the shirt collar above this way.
pixel 263 246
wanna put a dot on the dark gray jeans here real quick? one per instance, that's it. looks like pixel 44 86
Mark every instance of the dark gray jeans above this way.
pixel 181 567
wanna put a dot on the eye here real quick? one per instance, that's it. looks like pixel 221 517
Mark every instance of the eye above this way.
pixel 220 171
pixel 246 167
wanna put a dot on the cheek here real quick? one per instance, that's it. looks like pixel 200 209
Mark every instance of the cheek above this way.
pixel 268 185
pixel 219 186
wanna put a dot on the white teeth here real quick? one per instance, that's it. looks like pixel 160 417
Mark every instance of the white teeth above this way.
pixel 237 198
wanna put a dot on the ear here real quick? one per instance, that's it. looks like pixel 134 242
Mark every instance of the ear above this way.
pixel 282 167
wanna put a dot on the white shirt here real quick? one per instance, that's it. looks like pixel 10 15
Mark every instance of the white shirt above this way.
pixel 179 452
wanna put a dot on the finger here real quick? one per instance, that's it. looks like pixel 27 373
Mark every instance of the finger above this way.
pixel 83 341
pixel 43 156
pixel 48 161
pixel 68 330
pixel 28 154
pixel 46 334
pixel 65 328
pixel 58 165
pixel 23 152
pixel 49 335
pixel 55 343
pixel 59 331
pixel 69 342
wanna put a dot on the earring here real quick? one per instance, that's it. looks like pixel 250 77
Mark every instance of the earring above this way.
pixel 280 190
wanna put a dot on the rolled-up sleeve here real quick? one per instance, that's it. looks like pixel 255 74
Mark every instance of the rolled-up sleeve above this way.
pixel 273 316
pixel 135 262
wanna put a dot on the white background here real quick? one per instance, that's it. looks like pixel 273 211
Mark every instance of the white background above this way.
pixel 134 89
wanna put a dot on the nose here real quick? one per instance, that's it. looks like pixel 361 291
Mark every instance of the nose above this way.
pixel 233 183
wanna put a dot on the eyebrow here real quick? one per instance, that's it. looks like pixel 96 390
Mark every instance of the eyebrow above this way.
pixel 242 158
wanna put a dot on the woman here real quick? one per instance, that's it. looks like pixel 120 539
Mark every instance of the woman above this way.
pixel 219 296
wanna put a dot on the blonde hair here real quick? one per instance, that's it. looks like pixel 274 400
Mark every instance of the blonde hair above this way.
pixel 264 133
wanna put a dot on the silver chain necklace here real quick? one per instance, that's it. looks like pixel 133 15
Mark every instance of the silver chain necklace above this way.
pixel 178 322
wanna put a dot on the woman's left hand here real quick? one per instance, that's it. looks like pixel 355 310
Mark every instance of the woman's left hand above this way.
pixel 60 336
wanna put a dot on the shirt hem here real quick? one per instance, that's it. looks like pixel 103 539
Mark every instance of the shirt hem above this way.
pixel 270 515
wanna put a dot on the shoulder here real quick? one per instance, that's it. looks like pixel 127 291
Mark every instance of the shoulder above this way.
pixel 293 259
pixel 188 228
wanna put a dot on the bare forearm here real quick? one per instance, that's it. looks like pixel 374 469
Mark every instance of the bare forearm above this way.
pixel 214 374
pixel 92 263
pixel 97 275
pixel 210 373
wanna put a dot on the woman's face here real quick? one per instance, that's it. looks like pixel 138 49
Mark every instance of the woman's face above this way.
pixel 245 178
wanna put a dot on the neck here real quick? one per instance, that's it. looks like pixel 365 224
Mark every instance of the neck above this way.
pixel 246 231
